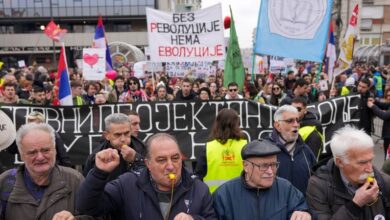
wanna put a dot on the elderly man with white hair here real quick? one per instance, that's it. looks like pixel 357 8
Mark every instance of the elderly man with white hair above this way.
pixel 296 158
pixel 349 186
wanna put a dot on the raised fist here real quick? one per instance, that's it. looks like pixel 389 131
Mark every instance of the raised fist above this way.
pixel 107 160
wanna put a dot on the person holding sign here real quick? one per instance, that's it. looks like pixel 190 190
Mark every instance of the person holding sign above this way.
pixel 165 190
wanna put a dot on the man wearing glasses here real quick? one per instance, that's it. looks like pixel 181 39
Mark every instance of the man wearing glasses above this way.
pixel 258 193
pixel 232 92
pixel 296 158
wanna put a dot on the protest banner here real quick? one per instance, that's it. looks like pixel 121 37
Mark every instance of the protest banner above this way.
pixel 192 36
pixel 81 127
pixel 94 63
pixel 199 69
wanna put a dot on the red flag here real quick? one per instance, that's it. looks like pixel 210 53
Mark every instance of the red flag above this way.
pixel 54 32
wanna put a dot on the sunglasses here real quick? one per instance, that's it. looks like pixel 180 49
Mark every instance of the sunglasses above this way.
pixel 233 90
pixel 291 120
pixel 132 83
pixel 299 109
pixel 276 88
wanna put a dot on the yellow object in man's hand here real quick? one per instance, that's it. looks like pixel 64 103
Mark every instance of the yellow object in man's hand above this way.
pixel 370 179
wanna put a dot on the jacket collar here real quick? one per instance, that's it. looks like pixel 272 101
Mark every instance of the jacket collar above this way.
pixel 145 183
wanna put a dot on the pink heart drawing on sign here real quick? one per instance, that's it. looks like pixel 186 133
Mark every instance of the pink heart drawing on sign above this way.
pixel 91 59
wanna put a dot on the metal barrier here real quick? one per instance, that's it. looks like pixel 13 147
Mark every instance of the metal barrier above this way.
pixel 378 124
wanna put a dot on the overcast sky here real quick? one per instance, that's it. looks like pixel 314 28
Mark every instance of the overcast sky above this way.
pixel 245 14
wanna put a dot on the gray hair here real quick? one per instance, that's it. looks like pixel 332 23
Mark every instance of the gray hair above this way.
pixel 348 138
pixel 159 136
pixel 27 128
pixel 285 108
pixel 117 118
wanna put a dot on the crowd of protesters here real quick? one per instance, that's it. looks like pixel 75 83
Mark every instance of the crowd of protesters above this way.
pixel 285 176
pixel 37 85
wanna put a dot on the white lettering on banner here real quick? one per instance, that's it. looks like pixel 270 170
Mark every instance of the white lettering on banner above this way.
pixel 176 117
pixel 196 36
pixel 195 115
pixel 167 117
pixel 140 108
pixel 73 142
pixel 81 127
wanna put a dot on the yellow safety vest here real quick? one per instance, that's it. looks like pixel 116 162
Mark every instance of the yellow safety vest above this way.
pixel 224 162
pixel 305 133
pixel 344 91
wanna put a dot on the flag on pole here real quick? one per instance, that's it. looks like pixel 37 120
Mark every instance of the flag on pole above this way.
pixel 54 32
pixel 293 29
pixel 331 53
pixel 234 69
pixel 346 49
pixel 100 41
pixel 63 95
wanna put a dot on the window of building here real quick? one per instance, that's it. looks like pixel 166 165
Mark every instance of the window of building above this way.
pixel 375 41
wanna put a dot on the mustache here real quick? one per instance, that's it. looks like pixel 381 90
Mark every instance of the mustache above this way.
pixel 365 175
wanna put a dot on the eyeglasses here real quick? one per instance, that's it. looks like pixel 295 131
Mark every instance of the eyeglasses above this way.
pixel 44 151
pixel 265 166
pixel 233 90
pixel 132 83
pixel 291 120
pixel 276 88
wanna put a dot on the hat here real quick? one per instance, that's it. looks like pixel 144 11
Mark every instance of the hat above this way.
pixel 7 131
pixel 259 148
pixel 36 116
pixel 350 81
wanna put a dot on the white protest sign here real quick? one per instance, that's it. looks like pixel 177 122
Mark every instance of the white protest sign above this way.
pixel 139 69
pixel 199 69
pixel 94 63
pixel 21 63
pixel 189 36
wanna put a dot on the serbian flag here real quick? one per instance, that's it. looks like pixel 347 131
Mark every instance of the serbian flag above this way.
pixel 331 53
pixel 100 41
pixel 63 95
pixel 54 32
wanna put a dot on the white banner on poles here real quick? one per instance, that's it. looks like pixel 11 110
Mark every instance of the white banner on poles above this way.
pixel 189 36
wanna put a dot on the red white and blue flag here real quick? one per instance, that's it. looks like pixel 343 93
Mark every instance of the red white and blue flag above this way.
pixel 63 93
pixel 100 41
pixel 331 54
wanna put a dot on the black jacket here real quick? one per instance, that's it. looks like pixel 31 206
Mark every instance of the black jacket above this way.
pixel 134 197
pixel 382 110
pixel 365 114
pixel 124 166
pixel 328 197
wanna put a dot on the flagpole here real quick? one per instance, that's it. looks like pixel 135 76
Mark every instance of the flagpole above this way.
pixel 54 44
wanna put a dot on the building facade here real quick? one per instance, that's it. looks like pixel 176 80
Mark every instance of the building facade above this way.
pixel 21 22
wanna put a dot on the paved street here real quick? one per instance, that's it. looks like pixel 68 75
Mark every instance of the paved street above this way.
pixel 379 154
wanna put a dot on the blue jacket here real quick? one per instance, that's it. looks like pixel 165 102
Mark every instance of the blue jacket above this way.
pixel 235 200
pixel 295 169
pixel 134 197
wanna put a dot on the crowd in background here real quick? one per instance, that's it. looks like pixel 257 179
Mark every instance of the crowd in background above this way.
pixel 36 85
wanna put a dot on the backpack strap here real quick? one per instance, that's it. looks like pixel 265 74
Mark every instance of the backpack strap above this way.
pixel 6 191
